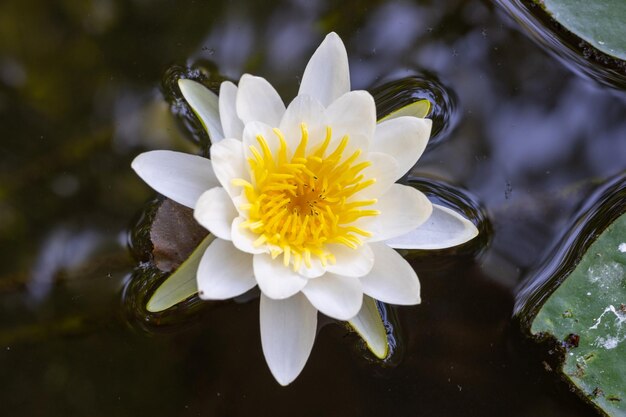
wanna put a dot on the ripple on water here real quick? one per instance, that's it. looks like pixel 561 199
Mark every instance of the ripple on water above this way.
pixel 204 73
pixel 399 93
pixel 442 193
pixel 605 205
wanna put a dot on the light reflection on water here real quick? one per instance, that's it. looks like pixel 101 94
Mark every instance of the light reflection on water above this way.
pixel 79 99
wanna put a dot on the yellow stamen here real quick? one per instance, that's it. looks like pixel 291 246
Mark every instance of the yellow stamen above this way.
pixel 299 204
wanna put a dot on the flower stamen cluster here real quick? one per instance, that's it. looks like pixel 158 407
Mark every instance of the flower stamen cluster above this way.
pixel 299 203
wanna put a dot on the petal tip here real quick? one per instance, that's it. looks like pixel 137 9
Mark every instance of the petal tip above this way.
pixel 334 37
pixel 152 307
pixel 186 85
pixel 137 163
pixel 283 380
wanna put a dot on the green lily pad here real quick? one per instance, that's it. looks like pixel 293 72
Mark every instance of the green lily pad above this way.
pixel 587 312
pixel 600 23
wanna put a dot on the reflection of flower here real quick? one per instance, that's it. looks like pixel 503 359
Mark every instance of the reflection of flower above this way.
pixel 303 201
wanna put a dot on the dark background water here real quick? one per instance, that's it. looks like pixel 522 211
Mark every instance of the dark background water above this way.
pixel 80 97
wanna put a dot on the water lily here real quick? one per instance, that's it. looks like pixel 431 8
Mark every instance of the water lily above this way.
pixel 303 202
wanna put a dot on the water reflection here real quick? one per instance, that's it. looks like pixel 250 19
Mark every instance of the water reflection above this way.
pixel 461 202
pixel 62 251
pixel 398 93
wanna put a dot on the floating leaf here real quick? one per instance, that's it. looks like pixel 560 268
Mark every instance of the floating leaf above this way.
pixel 587 313
pixel 369 325
pixel 574 304
pixel 561 302
pixel 601 24
pixel 181 284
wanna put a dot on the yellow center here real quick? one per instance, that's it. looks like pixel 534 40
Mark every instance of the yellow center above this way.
pixel 299 204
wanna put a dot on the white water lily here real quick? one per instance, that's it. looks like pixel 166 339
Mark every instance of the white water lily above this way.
pixel 303 201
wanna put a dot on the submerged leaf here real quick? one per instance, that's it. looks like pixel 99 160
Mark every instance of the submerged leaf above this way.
pixel 181 284
pixel 174 234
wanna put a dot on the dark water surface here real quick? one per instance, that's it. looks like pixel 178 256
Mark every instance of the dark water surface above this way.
pixel 80 97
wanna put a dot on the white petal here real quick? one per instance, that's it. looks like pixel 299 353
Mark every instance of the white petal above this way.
pixel 204 103
pixel 443 229
pixel 224 272
pixel 231 124
pixel 258 101
pixel 229 163
pixel 369 325
pixel 239 201
pixel 404 138
pixel 402 209
pixel 243 238
pixel 254 129
pixel 176 175
pixel 336 296
pixel 392 280
pixel 351 262
pixel 384 169
pixel 287 334
pixel 353 114
pixel 276 280
pixel 303 109
pixel 215 211
pixel 327 76
pixel 316 269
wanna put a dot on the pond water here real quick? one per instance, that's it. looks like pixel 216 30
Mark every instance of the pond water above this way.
pixel 81 95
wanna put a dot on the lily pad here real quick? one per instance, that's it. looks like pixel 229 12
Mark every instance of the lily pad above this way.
pixel 601 23
pixel 574 305
pixel 588 314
